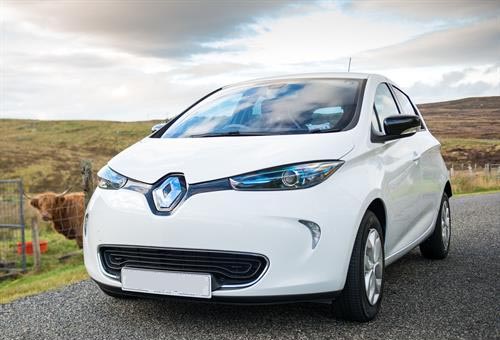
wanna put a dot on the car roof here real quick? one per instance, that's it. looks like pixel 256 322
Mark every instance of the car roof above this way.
pixel 333 75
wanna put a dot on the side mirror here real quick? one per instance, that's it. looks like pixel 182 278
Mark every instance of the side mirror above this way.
pixel 399 126
pixel 157 127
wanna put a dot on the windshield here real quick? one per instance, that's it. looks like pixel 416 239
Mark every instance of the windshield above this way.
pixel 310 106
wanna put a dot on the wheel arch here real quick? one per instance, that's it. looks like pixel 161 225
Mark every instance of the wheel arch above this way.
pixel 447 189
pixel 377 206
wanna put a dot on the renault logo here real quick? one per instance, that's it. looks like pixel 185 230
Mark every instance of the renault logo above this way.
pixel 169 193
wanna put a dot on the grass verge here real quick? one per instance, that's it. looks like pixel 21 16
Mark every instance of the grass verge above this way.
pixel 54 273
pixel 35 283
pixel 463 182
pixel 477 193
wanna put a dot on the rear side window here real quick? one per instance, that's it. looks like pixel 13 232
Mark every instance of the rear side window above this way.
pixel 384 105
pixel 404 101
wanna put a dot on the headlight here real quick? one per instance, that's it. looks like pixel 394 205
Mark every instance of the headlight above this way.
pixel 287 177
pixel 108 179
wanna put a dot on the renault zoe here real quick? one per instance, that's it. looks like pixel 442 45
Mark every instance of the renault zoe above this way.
pixel 296 188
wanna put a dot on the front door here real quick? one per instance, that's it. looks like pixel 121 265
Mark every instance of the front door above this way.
pixel 402 179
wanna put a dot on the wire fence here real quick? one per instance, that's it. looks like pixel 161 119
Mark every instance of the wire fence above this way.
pixel 487 169
pixel 12 228
pixel 51 219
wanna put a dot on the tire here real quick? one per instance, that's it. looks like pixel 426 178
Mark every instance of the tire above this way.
pixel 354 303
pixel 437 245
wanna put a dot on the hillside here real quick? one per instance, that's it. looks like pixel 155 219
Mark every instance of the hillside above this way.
pixel 469 117
pixel 468 128
pixel 47 154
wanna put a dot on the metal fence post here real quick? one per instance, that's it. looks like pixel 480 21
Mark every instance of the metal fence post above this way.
pixel 87 180
pixel 22 224
pixel 35 241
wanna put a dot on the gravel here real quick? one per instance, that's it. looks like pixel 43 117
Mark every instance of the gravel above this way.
pixel 455 298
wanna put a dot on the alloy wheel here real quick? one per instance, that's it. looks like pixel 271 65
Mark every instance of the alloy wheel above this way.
pixel 373 266
pixel 445 224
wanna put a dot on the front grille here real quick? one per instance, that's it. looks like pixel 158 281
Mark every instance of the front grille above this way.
pixel 227 268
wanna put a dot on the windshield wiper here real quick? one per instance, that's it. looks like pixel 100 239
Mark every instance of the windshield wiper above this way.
pixel 264 133
pixel 323 130
pixel 226 134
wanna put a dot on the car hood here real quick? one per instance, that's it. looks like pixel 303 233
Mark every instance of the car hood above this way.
pixel 209 158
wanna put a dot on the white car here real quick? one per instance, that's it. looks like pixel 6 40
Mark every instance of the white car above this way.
pixel 299 188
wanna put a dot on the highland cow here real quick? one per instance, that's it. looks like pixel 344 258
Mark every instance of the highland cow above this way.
pixel 65 210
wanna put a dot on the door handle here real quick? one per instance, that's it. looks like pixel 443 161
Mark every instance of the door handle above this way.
pixel 416 157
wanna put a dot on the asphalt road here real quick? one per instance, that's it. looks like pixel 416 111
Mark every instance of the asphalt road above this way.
pixel 457 298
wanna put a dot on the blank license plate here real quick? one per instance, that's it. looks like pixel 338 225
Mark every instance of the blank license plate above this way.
pixel 167 283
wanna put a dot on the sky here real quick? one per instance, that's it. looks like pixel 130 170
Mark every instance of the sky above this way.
pixel 141 60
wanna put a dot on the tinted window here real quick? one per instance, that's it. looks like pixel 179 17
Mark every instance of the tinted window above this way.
pixel 384 104
pixel 404 101
pixel 322 105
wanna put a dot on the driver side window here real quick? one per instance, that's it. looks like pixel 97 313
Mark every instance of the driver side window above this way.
pixel 384 106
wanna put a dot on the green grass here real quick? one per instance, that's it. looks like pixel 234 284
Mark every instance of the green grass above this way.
pixel 485 192
pixel 458 151
pixel 58 245
pixel 53 274
pixel 35 283
pixel 463 182
pixel 471 142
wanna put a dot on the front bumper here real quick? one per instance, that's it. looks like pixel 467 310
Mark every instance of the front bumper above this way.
pixel 326 297
pixel 264 223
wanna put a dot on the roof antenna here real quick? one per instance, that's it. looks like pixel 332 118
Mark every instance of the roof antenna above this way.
pixel 349 67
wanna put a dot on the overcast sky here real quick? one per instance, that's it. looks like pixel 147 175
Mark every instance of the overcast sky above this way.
pixel 138 60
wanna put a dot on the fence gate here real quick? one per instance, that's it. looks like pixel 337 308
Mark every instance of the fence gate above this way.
pixel 12 227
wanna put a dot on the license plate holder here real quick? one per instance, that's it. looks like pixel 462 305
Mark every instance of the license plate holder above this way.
pixel 166 282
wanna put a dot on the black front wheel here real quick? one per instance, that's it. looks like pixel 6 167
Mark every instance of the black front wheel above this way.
pixel 362 294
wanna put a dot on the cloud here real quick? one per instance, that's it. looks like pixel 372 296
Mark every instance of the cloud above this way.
pixel 469 82
pixel 80 60
pixel 146 59
pixel 153 28
pixel 430 10
pixel 313 34
pixel 478 43
pixel 193 70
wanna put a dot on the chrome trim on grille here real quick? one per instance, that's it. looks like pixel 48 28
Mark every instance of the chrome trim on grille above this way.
pixel 103 271
pixel 136 186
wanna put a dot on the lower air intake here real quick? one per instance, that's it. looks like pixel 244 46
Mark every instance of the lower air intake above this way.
pixel 227 268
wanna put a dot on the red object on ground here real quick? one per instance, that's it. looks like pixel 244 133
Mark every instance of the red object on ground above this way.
pixel 44 246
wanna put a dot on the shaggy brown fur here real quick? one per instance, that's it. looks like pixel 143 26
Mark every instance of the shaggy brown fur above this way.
pixel 65 211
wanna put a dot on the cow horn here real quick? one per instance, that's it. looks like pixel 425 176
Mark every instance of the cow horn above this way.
pixel 27 196
pixel 64 192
